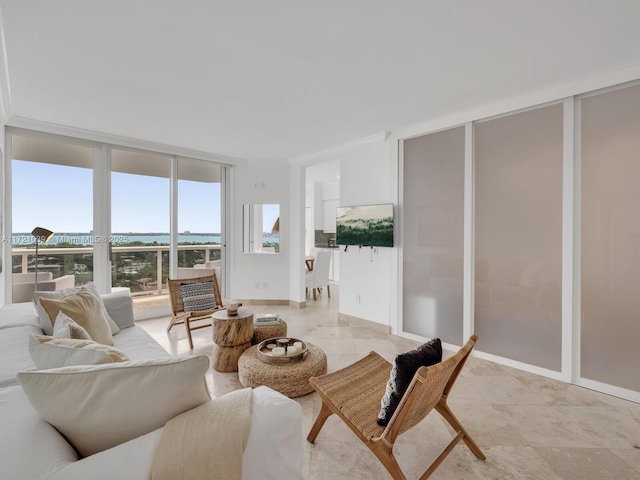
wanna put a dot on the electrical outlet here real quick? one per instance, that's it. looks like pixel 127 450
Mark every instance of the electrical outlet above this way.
pixel 264 284
pixel 375 250
pixel 357 298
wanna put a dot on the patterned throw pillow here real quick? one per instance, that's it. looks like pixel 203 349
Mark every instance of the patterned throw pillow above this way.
pixel 198 297
pixel 405 367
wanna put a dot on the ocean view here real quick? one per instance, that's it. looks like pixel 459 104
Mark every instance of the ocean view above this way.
pixel 88 239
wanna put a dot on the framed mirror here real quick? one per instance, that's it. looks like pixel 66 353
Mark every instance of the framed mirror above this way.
pixel 261 228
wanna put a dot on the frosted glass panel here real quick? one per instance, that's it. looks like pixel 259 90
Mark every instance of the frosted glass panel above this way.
pixel 610 238
pixel 433 235
pixel 518 236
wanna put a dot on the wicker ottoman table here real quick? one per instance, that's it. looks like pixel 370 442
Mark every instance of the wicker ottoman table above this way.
pixel 290 379
pixel 262 332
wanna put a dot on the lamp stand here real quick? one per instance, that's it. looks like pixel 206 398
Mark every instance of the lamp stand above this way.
pixel 36 277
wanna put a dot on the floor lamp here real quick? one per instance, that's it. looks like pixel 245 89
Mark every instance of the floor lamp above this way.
pixel 41 235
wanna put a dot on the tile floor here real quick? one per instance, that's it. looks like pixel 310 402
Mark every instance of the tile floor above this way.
pixel 529 427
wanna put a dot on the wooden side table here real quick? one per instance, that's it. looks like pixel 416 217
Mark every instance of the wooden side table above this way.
pixel 231 336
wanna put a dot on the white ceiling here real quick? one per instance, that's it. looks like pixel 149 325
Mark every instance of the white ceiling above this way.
pixel 276 79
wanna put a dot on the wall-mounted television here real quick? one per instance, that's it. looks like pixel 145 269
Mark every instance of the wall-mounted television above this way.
pixel 365 225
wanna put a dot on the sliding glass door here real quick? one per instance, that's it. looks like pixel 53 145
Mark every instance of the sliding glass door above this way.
pixel 518 236
pixel 610 238
pixel 433 234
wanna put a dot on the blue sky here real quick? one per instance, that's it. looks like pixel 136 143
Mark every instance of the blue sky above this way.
pixel 63 198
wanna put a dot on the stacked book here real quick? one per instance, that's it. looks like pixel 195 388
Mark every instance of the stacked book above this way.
pixel 266 319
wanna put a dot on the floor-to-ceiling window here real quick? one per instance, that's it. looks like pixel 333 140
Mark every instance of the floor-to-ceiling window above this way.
pixel 199 213
pixel 110 208
pixel 140 212
pixel 52 188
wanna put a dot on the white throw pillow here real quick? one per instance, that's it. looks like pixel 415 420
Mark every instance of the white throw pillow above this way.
pixel 43 317
pixel 85 309
pixel 65 327
pixel 98 407
pixel 50 352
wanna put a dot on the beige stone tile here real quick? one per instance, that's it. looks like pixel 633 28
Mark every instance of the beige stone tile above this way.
pixel 630 456
pixel 513 463
pixel 487 425
pixel 588 464
pixel 505 389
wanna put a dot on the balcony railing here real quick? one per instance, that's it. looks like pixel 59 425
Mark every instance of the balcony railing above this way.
pixel 124 269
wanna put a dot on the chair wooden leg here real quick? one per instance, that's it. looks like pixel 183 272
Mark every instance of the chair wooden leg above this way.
pixel 328 292
pixel 443 409
pixel 188 327
pixel 324 413
pixel 384 453
pixel 171 324
pixel 315 293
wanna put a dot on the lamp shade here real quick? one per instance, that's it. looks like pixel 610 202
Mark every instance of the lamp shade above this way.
pixel 42 234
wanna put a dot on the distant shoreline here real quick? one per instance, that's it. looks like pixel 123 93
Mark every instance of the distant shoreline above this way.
pixel 89 239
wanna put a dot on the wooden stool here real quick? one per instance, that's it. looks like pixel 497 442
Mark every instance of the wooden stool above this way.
pixel 262 332
pixel 231 336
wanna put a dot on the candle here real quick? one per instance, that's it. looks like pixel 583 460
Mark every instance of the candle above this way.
pixel 293 350
pixel 232 306
pixel 271 345
pixel 277 352
pixel 298 345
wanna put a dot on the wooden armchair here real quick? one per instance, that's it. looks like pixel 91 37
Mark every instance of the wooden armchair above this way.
pixel 354 394
pixel 178 313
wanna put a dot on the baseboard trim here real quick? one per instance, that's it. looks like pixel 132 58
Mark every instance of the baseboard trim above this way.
pixel 267 301
pixel 357 321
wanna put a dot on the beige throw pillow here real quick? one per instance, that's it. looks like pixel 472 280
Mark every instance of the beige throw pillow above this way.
pixel 43 317
pixel 50 352
pixel 85 309
pixel 99 407
pixel 65 327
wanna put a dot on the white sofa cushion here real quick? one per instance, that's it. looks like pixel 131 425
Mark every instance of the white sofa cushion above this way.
pixel 98 407
pixel 120 308
pixel 65 327
pixel 139 345
pixel 14 352
pixel 19 314
pixel 86 309
pixel 30 446
pixel 50 352
pixel 270 410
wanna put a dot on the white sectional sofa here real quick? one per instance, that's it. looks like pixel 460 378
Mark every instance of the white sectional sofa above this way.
pixel 31 448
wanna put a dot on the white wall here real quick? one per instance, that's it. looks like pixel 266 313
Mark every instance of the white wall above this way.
pixel 259 276
pixel 366 177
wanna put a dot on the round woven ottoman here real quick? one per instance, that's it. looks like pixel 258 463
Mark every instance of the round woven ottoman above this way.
pixel 262 332
pixel 290 379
